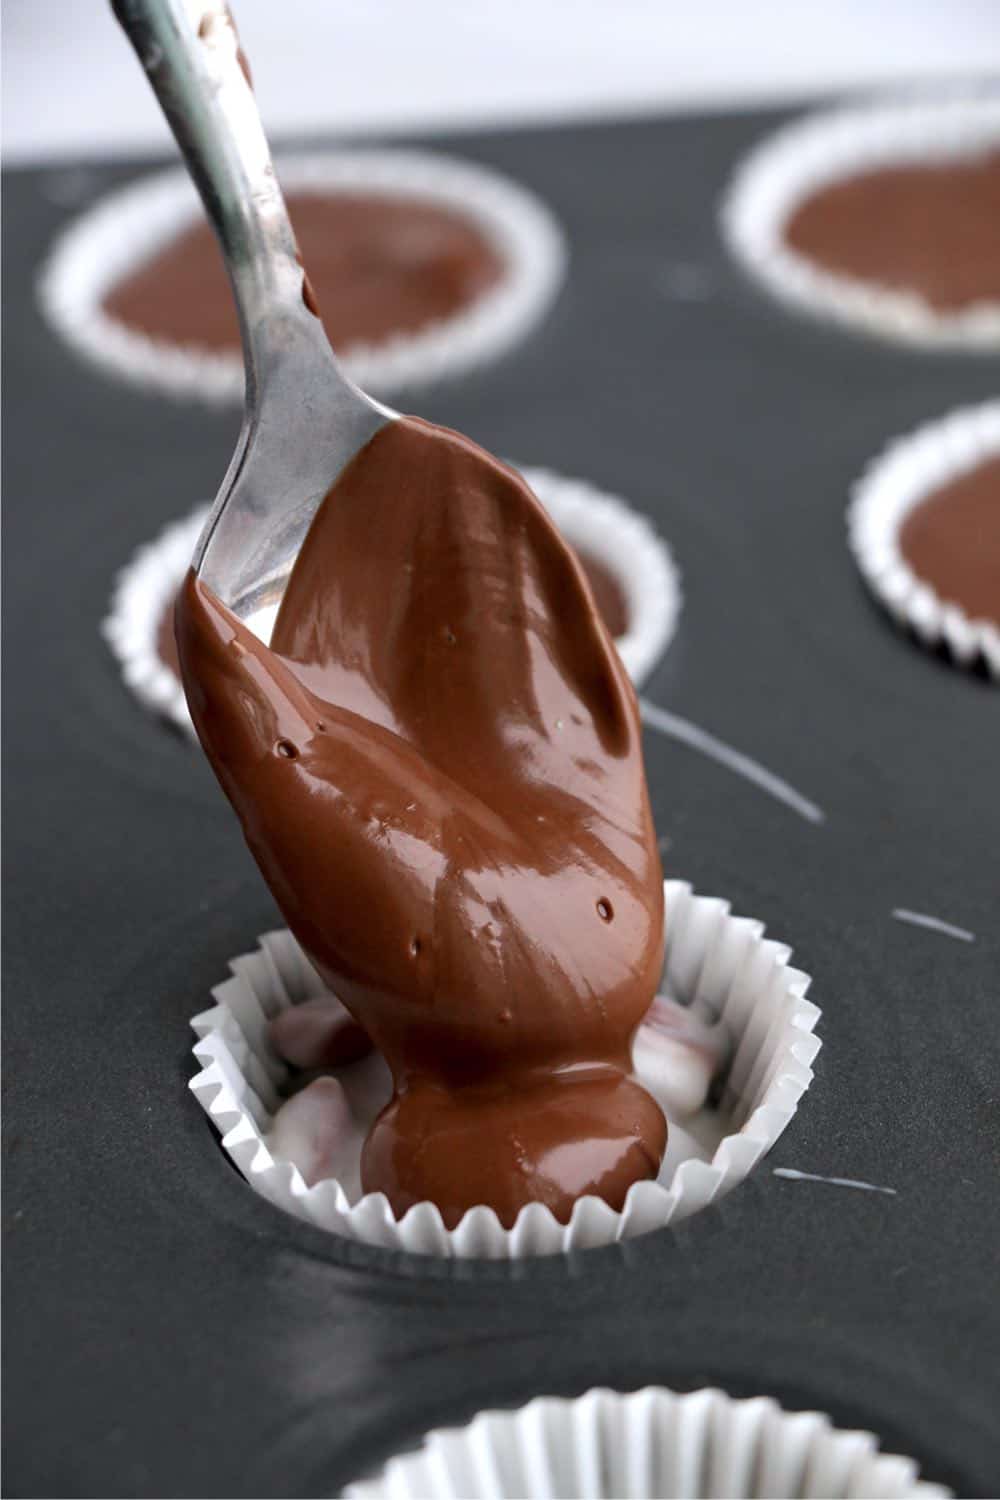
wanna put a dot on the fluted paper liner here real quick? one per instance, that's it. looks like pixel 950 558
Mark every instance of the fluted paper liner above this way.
pixel 129 226
pixel 600 524
pixel 721 965
pixel 653 1442
pixel 910 470
pixel 808 155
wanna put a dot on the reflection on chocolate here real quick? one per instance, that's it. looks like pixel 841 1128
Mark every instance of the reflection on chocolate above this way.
pixel 379 266
pixel 438 767
pixel 952 541
pixel 933 230
pixel 608 593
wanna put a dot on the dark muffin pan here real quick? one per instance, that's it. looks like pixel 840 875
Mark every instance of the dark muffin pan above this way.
pixel 168 1333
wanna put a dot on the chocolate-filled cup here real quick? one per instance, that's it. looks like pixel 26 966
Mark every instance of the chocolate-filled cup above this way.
pixel 924 527
pixel 881 217
pixel 748 995
pixel 493 270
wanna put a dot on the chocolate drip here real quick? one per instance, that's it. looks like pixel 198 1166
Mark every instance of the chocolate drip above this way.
pixel 438 768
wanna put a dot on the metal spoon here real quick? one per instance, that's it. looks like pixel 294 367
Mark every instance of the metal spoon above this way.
pixel 303 420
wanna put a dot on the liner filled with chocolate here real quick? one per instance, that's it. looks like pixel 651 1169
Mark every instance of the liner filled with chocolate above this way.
pixel 629 564
pixel 727 1052
pixel 924 527
pixel 883 216
pixel 611 1446
pixel 437 762
pixel 498 267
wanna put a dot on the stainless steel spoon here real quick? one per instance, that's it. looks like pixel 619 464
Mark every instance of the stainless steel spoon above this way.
pixel 303 420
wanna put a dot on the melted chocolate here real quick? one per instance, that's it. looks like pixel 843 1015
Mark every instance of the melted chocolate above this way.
pixel 438 767
pixel 609 596
pixel 933 230
pixel 952 541
pixel 379 266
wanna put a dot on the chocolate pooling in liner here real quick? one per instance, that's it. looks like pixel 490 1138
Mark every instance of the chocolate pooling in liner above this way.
pixel 609 595
pixel 438 767
pixel 932 229
pixel 952 541
pixel 381 265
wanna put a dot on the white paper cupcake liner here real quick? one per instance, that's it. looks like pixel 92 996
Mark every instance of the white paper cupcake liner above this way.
pixel 129 226
pixel 721 965
pixel 606 528
pixel 143 590
pixel 653 1442
pixel 808 155
pixel 602 525
pixel 910 470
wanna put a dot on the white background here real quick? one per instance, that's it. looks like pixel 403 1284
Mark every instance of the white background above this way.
pixel 72 86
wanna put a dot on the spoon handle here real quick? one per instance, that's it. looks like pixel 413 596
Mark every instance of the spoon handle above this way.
pixel 303 420
pixel 191 55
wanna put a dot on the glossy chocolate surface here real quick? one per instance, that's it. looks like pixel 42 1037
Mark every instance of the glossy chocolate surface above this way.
pixel 952 541
pixel 438 767
pixel 933 230
pixel 295 1362
pixel 609 596
pixel 378 265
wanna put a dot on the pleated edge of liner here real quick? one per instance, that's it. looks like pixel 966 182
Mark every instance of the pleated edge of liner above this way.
pixel 895 482
pixel 809 153
pixel 522 1429
pixel 124 228
pixel 648 1206
pixel 594 520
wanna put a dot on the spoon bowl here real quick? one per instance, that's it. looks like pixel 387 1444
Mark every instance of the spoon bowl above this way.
pixel 303 420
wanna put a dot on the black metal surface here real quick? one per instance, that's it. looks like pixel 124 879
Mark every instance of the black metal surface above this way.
pixel 167 1332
